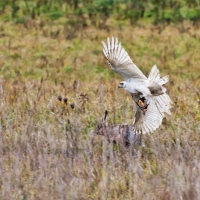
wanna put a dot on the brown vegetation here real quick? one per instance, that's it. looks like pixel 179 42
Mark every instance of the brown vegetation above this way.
pixel 47 148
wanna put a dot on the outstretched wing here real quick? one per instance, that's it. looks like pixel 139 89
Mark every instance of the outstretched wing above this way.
pixel 149 120
pixel 120 61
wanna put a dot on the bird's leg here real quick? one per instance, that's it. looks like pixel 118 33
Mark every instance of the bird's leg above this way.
pixel 138 105
pixel 142 104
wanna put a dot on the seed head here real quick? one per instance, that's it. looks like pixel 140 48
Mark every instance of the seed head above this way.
pixel 60 98
pixel 72 105
pixel 65 100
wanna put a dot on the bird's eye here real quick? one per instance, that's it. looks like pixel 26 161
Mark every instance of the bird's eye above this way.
pixel 121 83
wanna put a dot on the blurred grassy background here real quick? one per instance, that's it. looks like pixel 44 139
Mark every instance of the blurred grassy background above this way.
pixel 97 12
pixel 53 48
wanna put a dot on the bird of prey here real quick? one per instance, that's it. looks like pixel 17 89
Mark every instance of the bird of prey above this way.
pixel 151 101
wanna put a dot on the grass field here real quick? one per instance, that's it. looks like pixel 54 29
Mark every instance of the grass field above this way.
pixel 47 147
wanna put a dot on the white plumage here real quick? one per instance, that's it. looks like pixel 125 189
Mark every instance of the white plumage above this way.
pixel 158 103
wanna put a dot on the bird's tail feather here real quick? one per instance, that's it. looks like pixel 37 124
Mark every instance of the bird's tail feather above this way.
pixel 154 76
pixel 163 102
pixel 163 80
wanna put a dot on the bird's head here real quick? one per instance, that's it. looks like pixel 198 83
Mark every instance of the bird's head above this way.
pixel 122 84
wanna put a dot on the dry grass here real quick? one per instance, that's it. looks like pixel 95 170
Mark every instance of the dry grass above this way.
pixel 46 146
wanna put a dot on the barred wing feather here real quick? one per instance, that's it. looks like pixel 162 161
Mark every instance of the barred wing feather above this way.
pixel 149 120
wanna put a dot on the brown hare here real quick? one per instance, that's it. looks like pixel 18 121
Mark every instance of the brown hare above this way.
pixel 122 134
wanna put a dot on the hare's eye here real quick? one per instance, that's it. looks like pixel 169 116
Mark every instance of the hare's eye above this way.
pixel 99 126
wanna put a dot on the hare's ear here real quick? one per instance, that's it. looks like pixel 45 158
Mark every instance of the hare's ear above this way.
pixel 104 121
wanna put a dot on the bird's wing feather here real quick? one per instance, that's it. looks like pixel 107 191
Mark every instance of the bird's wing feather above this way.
pixel 120 61
pixel 163 102
pixel 149 120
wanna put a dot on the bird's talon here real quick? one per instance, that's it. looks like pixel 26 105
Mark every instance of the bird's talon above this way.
pixel 142 104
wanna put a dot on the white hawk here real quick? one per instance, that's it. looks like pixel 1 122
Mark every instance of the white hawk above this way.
pixel 151 101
